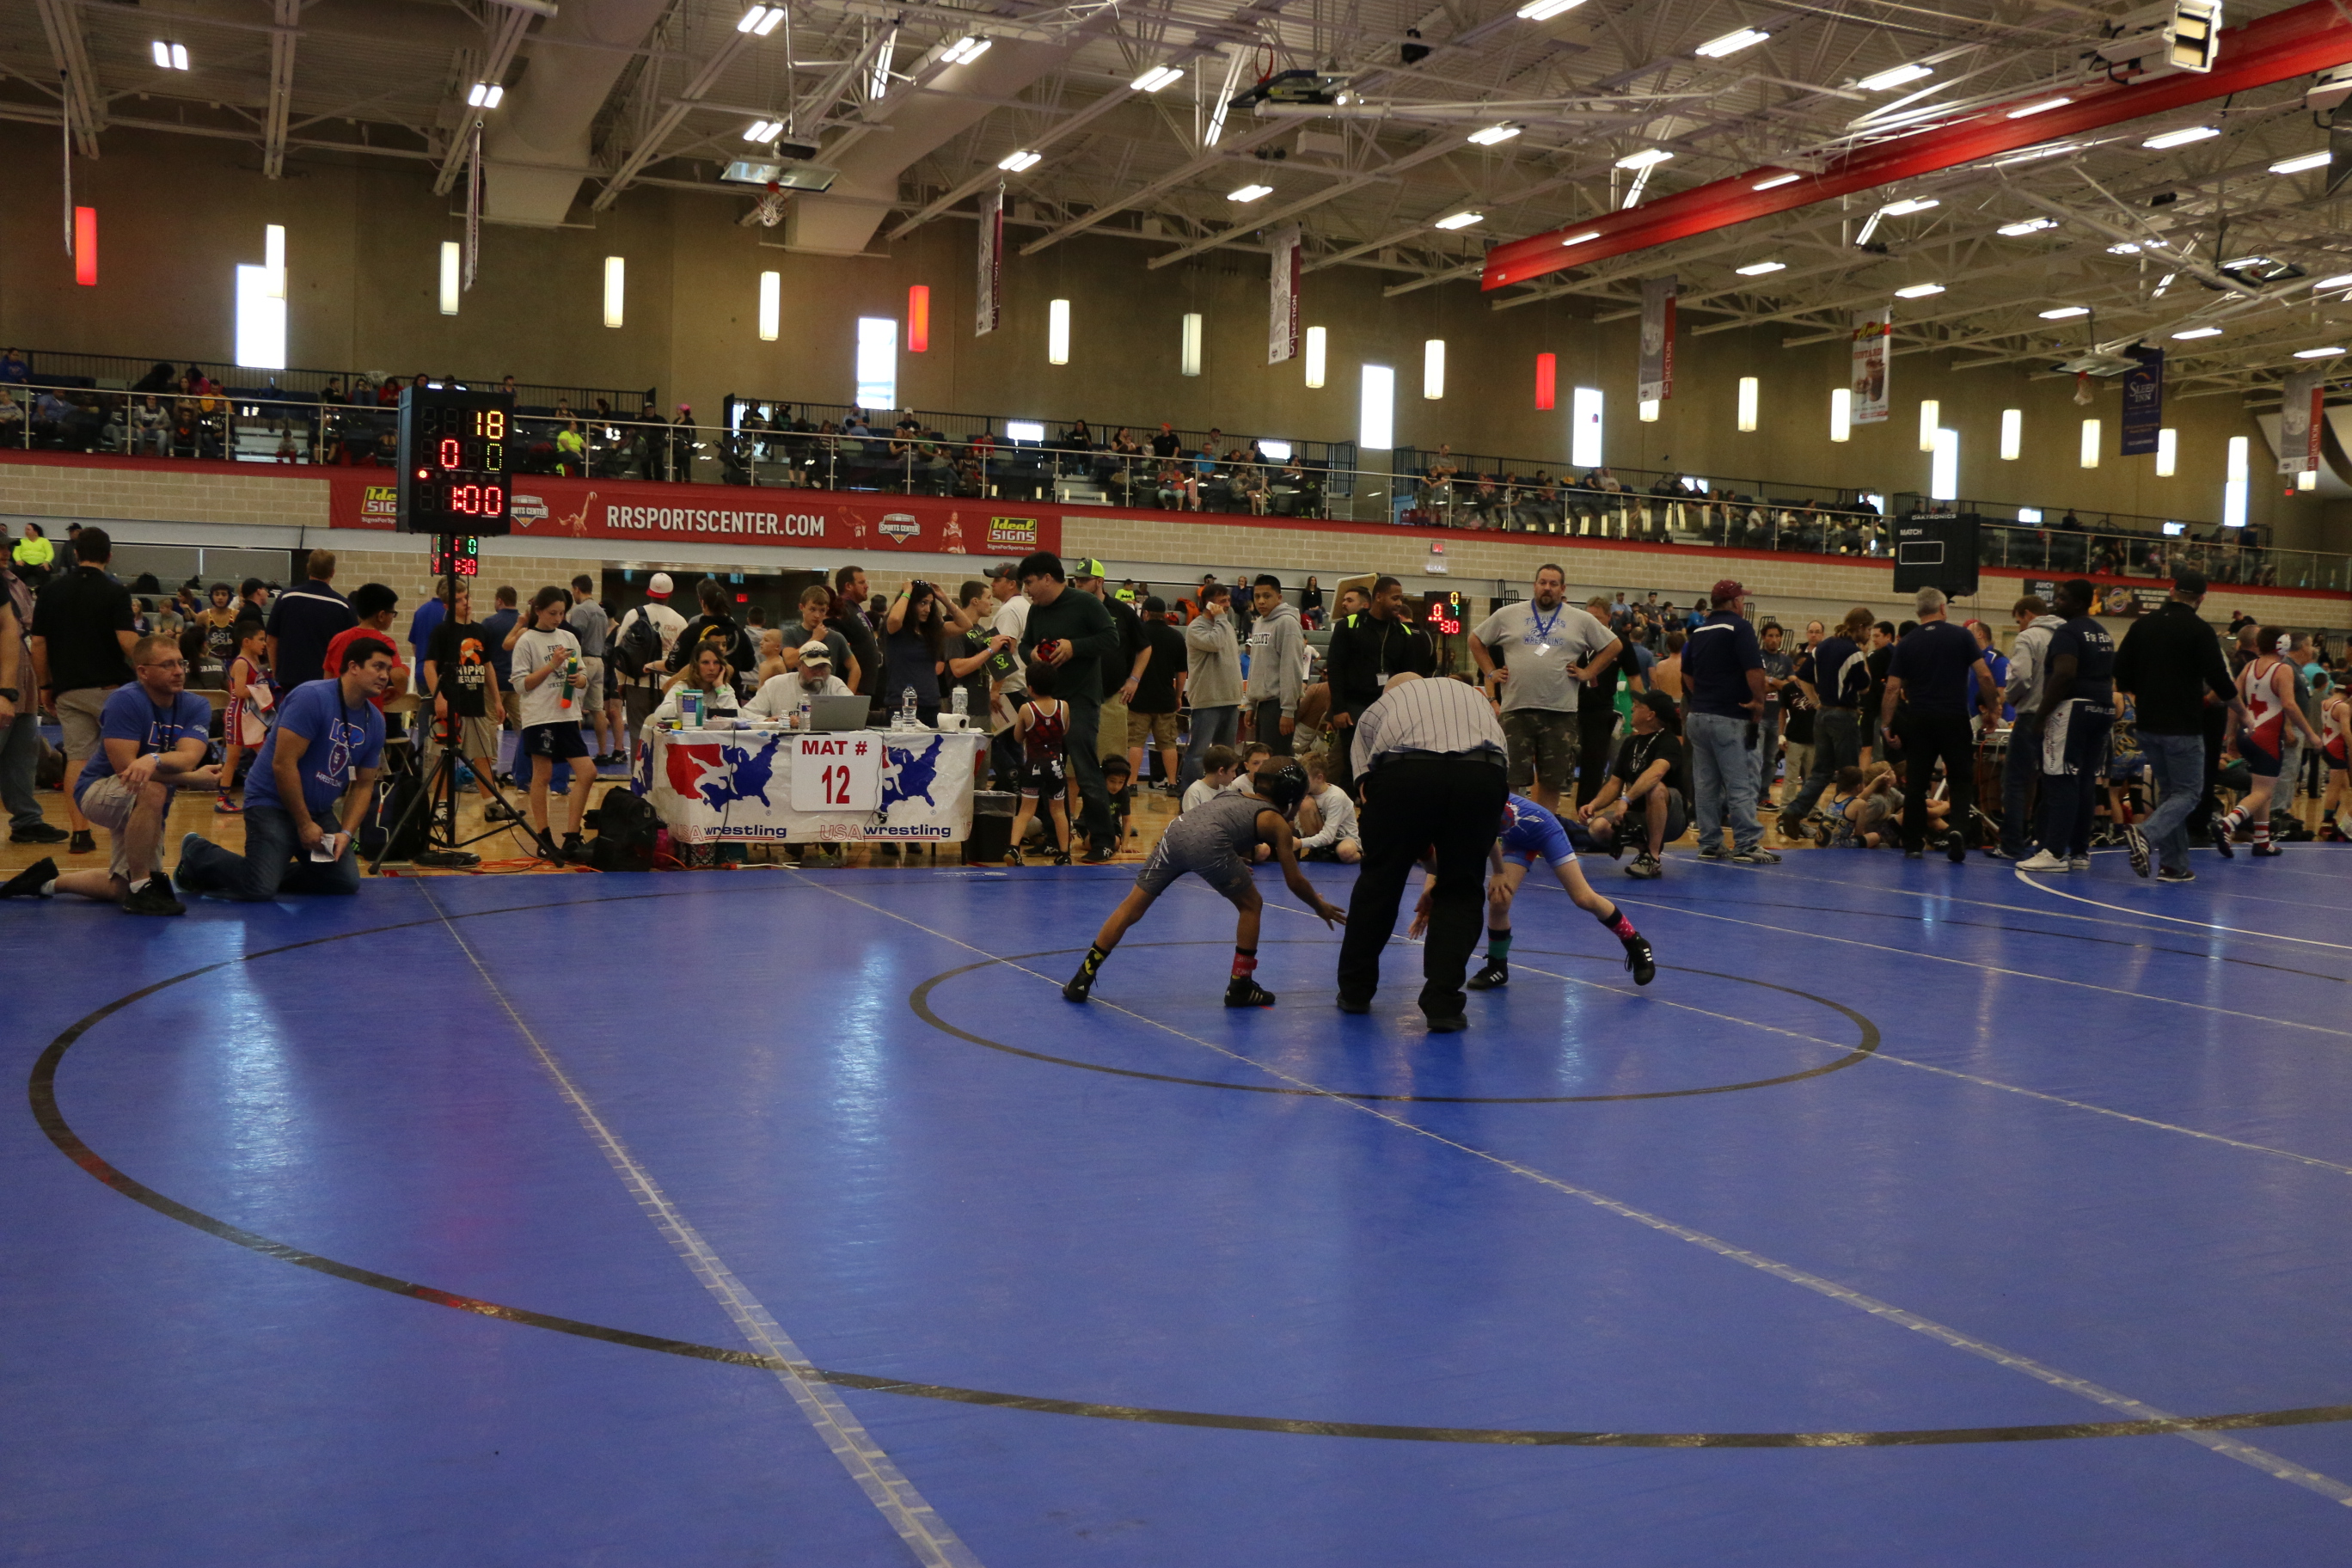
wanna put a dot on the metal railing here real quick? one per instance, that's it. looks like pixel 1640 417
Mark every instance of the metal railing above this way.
pixel 131 373
pixel 228 426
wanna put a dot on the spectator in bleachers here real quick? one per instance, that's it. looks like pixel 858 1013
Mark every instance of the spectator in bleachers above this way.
pixel 15 371
pixel 149 428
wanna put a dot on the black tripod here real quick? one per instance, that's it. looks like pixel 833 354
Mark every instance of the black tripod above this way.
pixel 438 798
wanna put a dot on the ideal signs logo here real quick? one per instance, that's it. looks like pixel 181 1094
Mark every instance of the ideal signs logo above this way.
pixel 899 526
pixel 1012 534
pixel 380 504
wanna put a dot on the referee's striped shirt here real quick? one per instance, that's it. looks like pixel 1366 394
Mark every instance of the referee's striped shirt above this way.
pixel 1432 717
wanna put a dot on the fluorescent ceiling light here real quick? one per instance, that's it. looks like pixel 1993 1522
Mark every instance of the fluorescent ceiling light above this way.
pixel 2318 353
pixel 2123 248
pixel 1460 220
pixel 2199 332
pixel 2298 166
pixel 758 19
pixel 1766 184
pixel 1545 10
pixel 2182 137
pixel 1581 239
pixel 2037 108
pixel 171 56
pixel 1895 78
pixel 2063 311
pixel 2341 281
pixel 763 130
pixel 1155 79
pixel 1249 192
pixel 1020 163
pixel 1918 291
pixel 1023 430
pixel 1730 43
pixel 1906 208
pixel 1647 158
pixel 485 95
pixel 163 55
pixel 2029 225
pixel 965 50
pixel 1493 135
pixel 1758 269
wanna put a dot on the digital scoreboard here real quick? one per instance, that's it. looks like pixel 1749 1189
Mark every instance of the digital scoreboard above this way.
pixel 1442 611
pixel 454 462
pixel 456 555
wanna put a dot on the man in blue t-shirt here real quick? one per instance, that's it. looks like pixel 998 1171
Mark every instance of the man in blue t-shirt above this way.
pixel 1723 684
pixel 2077 710
pixel 326 747
pixel 152 739
pixel 1927 708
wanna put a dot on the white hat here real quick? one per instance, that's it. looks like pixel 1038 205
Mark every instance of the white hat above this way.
pixel 660 587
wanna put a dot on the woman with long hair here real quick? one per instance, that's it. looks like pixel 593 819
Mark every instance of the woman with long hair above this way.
pixel 914 649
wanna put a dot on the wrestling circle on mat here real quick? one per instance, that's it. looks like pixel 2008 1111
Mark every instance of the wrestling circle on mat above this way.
pixel 42 1094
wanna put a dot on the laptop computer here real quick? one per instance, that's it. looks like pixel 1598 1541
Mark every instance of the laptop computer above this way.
pixel 834 714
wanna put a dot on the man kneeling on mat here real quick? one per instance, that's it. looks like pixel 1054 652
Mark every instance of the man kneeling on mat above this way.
pixel 1216 842
pixel 1530 832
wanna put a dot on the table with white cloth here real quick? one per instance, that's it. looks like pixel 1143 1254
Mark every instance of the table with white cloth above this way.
pixel 770 785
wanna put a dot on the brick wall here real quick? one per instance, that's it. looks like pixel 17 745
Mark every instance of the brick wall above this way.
pixel 403 569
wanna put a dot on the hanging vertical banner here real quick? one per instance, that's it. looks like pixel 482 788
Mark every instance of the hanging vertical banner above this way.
pixel 1657 374
pixel 987 291
pixel 474 207
pixel 1282 308
pixel 2143 402
pixel 2300 422
pixel 1873 340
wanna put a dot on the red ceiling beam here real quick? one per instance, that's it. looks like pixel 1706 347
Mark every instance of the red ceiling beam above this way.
pixel 2290 43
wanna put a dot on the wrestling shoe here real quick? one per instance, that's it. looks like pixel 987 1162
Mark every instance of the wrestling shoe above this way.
pixel 2264 851
pixel 223 806
pixel 1079 987
pixel 2219 832
pixel 1640 961
pixel 2138 841
pixel 1242 991
pixel 1013 856
pixel 1493 977
pixel 1061 858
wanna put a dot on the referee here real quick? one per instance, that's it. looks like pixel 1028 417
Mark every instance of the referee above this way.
pixel 1429 757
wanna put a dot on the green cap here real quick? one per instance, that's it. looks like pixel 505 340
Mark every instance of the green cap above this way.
pixel 1088 566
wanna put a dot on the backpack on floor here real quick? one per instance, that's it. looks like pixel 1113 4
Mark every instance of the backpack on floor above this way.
pixel 625 828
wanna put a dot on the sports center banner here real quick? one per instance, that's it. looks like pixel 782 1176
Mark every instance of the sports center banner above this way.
pixel 1282 310
pixel 1656 379
pixel 552 508
pixel 988 297
pixel 2143 402
pixel 2301 421
pixel 1874 335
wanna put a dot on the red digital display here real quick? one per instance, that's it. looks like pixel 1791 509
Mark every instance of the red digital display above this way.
pixel 454 463
pixel 1443 612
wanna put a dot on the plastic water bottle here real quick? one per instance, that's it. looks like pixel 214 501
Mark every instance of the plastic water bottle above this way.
pixel 689 710
pixel 804 711
pixel 960 703
pixel 907 709
pixel 570 680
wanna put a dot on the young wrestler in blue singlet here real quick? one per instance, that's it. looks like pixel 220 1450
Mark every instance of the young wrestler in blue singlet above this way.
pixel 1531 833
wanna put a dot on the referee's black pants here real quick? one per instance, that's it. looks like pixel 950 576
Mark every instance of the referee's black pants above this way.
pixel 1926 737
pixel 1412 804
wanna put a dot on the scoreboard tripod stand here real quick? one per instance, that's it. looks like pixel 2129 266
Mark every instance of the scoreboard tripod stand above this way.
pixel 453 485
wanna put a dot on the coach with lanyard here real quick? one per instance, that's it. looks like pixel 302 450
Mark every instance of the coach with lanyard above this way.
pixel 1429 760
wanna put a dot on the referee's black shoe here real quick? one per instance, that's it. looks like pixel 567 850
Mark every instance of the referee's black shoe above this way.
pixel 1347 1004
pixel 1493 977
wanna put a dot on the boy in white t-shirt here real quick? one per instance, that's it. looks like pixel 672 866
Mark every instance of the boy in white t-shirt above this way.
pixel 1219 767
pixel 550 686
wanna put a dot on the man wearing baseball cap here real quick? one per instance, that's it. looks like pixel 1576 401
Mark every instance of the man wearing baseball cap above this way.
pixel 1123 671
pixel 1074 634
pixel 635 663
pixel 1723 678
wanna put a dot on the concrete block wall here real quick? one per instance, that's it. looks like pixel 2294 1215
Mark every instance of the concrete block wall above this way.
pixel 404 570
pixel 165 493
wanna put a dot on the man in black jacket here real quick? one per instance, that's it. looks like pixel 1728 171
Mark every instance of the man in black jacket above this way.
pixel 1073 633
pixel 1367 647
pixel 2171 664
